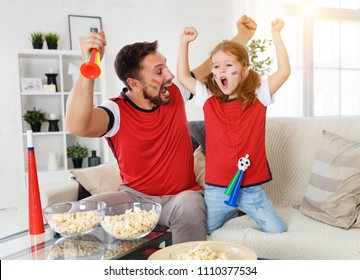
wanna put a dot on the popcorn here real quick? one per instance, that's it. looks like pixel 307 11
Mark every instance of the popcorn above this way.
pixel 203 252
pixel 130 224
pixel 76 247
pixel 120 247
pixel 72 223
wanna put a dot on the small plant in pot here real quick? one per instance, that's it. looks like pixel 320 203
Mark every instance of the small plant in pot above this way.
pixel 77 153
pixel 51 40
pixel 258 59
pixel 35 118
pixel 37 39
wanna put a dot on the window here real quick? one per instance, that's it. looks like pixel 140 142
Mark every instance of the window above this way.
pixel 323 41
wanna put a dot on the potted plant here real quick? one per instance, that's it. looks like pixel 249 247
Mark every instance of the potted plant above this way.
pixel 51 40
pixel 77 153
pixel 35 118
pixel 37 39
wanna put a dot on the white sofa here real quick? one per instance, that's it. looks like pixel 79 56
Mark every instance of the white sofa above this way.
pixel 292 145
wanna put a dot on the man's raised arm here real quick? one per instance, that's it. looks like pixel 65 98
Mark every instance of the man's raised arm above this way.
pixel 82 118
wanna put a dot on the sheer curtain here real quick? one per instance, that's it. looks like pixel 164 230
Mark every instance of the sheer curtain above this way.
pixel 264 12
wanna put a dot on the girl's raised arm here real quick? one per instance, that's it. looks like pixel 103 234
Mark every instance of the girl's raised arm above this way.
pixel 277 79
pixel 183 70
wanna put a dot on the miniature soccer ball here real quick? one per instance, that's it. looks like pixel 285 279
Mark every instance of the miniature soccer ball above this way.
pixel 244 163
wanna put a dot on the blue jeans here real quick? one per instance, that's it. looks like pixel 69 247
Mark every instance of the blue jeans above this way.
pixel 251 200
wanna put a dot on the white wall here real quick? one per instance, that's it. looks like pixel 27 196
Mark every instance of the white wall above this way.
pixel 124 21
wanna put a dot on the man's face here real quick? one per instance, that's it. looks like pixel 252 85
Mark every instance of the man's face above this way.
pixel 156 78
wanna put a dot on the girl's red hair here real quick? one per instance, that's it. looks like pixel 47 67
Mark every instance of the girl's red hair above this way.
pixel 246 89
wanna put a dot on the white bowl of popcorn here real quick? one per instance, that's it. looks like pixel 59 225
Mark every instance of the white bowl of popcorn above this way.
pixel 205 251
pixel 74 218
pixel 209 250
pixel 130 221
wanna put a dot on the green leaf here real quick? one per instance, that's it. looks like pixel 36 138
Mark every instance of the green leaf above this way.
pixel 34 116
pixel 77 151
pixel 262 66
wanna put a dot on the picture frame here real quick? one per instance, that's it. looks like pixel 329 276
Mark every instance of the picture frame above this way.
pixel 31 85
pixel 79 26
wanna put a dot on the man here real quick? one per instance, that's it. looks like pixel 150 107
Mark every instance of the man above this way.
pixel 146 129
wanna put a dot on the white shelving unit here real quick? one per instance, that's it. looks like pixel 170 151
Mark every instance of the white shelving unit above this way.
pixel 34 64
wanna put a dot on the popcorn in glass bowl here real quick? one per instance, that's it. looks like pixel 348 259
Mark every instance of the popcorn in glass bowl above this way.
pixel 87 247
pixel 74 218
pixel 130 221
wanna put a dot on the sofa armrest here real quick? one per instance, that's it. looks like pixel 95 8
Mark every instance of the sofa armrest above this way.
pixel 62 191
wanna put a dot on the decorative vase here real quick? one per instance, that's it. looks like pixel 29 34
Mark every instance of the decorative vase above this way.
pixel 52 161
pixel 77 162
pixel 37 45
pixel 52 45
pixel 51 79
pixel 36 127
pixel 53 125
pixel 94 160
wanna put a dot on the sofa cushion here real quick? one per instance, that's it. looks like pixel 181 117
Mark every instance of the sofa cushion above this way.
pixel 197 132
pixel 106 177
pixel 199 166
pixel 82 192
pixel 305 238
pixel 99 179
pixel 333 192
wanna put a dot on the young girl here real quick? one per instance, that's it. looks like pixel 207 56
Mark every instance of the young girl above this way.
pixel 234 101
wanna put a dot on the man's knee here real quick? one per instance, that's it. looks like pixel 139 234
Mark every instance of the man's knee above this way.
pixel 190 205
pixel 187 219
pixel 192 199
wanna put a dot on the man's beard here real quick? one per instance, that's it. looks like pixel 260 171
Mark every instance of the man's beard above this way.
pixel 156 100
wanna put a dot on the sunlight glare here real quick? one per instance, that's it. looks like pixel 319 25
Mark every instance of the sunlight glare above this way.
pixel 308 10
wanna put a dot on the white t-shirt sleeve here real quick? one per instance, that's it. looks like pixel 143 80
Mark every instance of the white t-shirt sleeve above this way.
pixel 202 94
pixel 184 93
pixel 114 109
pixel 263 93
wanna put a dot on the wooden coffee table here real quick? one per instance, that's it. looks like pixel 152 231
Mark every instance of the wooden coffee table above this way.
pixel 96 245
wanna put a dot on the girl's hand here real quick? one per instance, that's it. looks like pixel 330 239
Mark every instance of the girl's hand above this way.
pixel 277 25
pixel 189 34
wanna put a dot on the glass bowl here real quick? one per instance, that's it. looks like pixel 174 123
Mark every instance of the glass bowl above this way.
pixel 74 218
pixel 87 247
pixel 130 221
pixel 121 247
